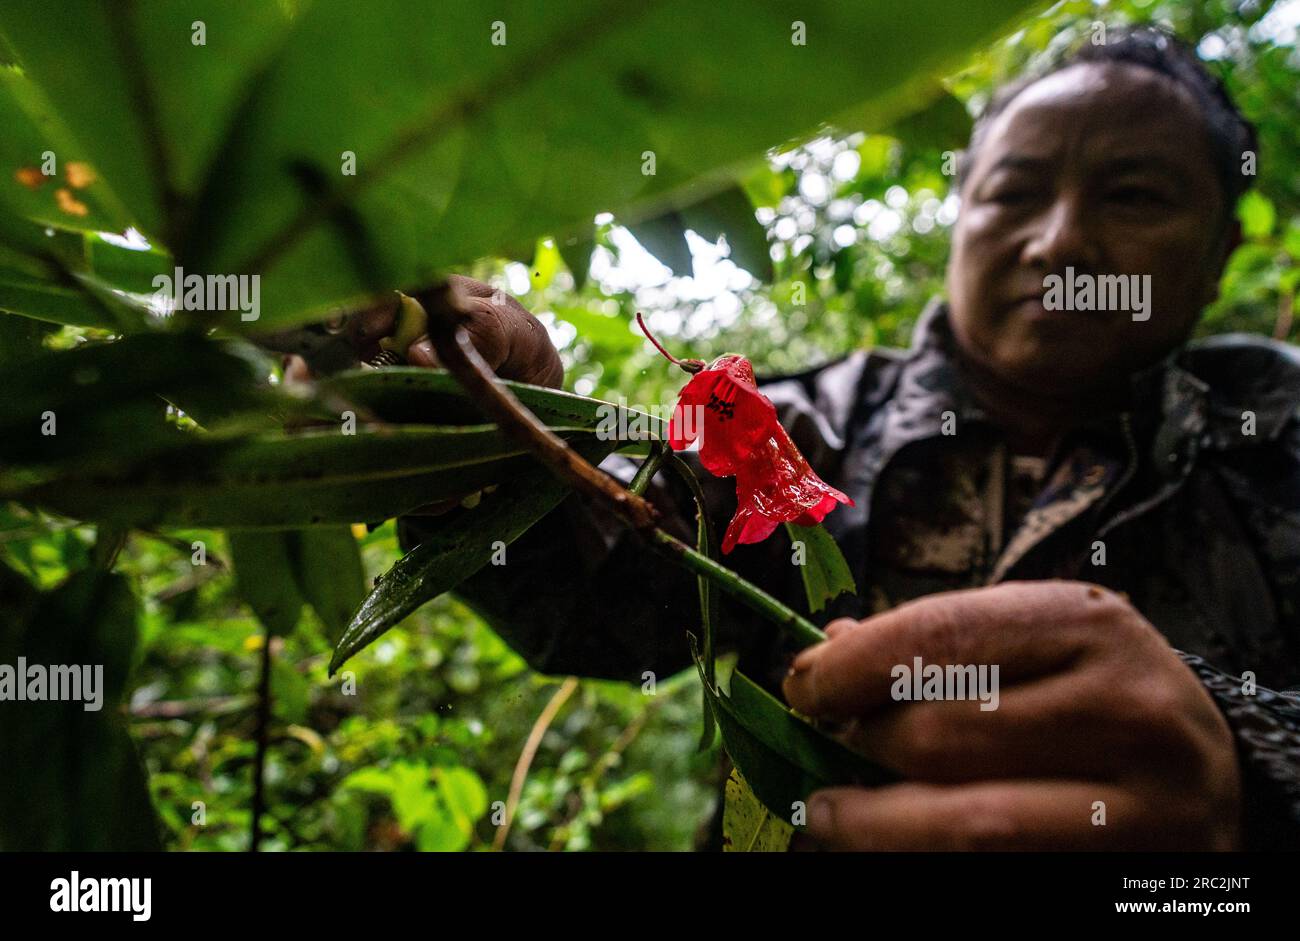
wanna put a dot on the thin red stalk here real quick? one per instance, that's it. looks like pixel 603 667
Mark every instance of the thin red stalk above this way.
pixel 689 365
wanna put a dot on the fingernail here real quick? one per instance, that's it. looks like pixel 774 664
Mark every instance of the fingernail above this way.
pixel 806 658
pixel 422 351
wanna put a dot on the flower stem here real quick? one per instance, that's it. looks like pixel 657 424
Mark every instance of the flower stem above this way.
pixel 649 467
pixel 689 365
pixel 798 628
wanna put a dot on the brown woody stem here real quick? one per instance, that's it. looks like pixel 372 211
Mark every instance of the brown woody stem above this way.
pixel 457 354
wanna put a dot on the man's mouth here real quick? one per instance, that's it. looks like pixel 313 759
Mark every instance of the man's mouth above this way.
pixel 1034 306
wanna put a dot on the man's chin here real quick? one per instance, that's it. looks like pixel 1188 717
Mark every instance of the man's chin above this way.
pixel 1057 369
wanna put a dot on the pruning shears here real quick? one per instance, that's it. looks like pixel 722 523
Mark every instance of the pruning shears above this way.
pixel 341 342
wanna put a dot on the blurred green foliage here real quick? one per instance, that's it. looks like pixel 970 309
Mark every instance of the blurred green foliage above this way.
pixel 415 742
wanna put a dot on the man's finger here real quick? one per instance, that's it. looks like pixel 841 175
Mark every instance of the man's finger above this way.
pixel 422 353
pixel 1019 626
pixel 1061 725
pixel 840 625
pixel 991 815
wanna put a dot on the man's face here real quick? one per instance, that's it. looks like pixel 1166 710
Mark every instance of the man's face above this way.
pixel 1103 168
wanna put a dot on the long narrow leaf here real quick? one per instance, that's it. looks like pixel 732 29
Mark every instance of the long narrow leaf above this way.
pixel 313 478
pixel 452 554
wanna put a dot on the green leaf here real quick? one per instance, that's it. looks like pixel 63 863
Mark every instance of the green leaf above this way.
pixel 48 300
pixel 73 780
pixel 43 274
pixel 612 334
pixel 103 405
pixel 140 127
pixel 331 576
pixel 266 575
pixel 824 570
pixel 463 796
pixel 665 238
pixel 460 547
pixel 278 572
pixel 748 826
pixel 729 213
pixel 73 195
pixel 20 337
pixel 104 463
pixel 576 252
pixel 944 124
pixel 1257 215
pixel 545 263
pixel 456 156
pixel 781 755
pixel 310 478
pixel 426 396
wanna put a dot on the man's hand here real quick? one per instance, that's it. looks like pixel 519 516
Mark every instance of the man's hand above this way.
pixel 512 341
pixel 1096 713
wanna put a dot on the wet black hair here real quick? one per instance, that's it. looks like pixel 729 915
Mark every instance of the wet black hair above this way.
pixel 1229 134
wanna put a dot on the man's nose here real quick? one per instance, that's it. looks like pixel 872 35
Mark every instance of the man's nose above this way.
pixel 1063 238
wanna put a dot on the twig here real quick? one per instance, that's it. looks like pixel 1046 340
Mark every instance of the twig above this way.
pixel 457 354
pixel 1285 316
pixel 179 708
pixel 526 756
pixel 259 760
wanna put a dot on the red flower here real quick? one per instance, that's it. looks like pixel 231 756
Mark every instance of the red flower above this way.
pixel 741 438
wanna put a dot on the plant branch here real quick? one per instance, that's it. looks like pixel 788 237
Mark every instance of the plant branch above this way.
pixel 263 734
pixel 456 352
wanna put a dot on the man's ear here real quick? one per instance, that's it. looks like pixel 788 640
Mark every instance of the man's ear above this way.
pixel 1228 243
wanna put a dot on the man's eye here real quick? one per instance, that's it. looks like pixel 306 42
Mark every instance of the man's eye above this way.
pixel 1014 196
pixel 1137 196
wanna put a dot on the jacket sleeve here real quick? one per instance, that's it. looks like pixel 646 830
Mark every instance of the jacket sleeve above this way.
pixel 1266 725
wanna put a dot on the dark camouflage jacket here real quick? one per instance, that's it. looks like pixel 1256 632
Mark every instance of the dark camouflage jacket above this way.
pixel 1189 503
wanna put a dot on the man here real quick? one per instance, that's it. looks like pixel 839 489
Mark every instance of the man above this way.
pixel 1031 447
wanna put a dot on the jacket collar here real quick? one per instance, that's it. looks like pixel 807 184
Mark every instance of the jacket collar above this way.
pixel 1197 396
